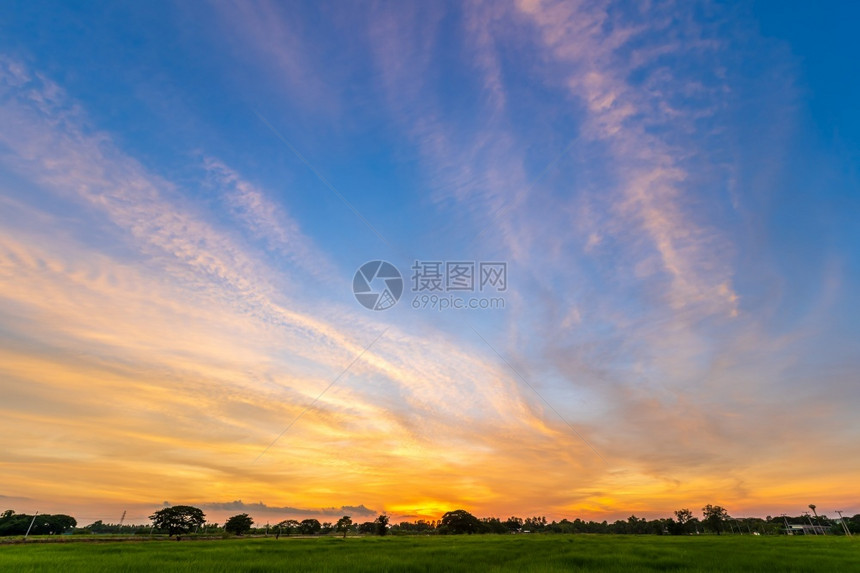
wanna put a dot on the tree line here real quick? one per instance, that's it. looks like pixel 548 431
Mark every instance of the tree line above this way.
pixel 715 519
pixel 12 523
pixel 180 520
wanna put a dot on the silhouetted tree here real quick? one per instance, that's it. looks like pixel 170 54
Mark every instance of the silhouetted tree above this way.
pixel 714 517
pixel 459 521
pixel 492 525
pixel 178 519
pixel 288 526
pixel 12 523
pixel 420 526
pixel 381 524
pixel 343 524
pixel 513 524
pixel 534 523
pixel 685 519
pixel 683 515
pixel 309 527
pixel 367 527
pixel 239 524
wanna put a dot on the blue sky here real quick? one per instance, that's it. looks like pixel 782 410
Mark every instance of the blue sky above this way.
pixel 673 187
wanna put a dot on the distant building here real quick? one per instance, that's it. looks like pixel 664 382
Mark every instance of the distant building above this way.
pixel 806 530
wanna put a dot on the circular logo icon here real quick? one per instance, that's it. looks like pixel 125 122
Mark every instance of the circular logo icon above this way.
pixel 377 285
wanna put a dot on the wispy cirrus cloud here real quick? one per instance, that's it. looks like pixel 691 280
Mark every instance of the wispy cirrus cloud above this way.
pixel 624 250
pixel 273 40
pixel 267 220
pixel 183 323
pixel 599 52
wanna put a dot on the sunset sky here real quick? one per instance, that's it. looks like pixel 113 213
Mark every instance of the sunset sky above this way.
pixel 187 190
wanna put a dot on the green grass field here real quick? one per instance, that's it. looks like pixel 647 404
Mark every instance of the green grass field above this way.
pixel 446 553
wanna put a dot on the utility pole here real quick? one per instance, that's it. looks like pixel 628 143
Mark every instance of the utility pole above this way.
pixel 842 521
pixel 31 526
pixel 121 519
pixel 812 525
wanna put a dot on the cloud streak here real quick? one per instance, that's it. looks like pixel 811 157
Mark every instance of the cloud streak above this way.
pixel 182 323
pixel 260 507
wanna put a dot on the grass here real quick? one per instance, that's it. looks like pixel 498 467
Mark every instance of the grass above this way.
pixel 629 554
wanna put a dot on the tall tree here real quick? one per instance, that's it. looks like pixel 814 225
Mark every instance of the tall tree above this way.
pixel 683 515
pixel 178 519
pixel 381 524
pixel 287 526
pixel 309 527
pixel 714 517
pixel 343 524
pixel 459 521
pixel 239 524
pixel 685 520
